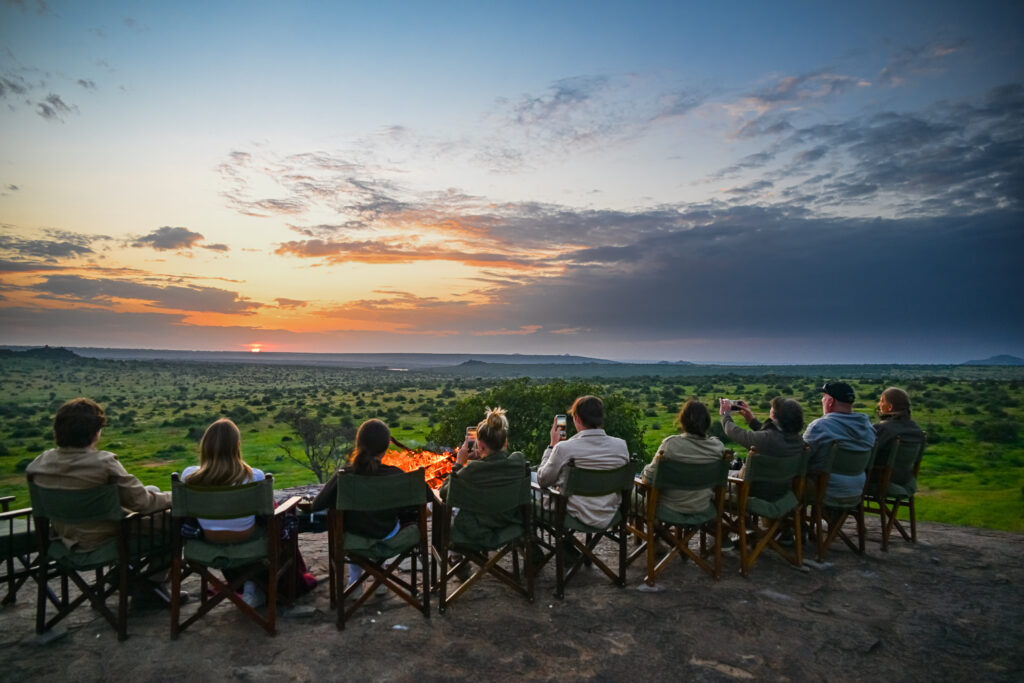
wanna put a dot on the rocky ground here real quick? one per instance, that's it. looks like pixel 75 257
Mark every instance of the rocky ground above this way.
pixel 947 608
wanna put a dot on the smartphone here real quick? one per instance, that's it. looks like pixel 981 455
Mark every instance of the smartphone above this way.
pixel 471 436
pixel 561 422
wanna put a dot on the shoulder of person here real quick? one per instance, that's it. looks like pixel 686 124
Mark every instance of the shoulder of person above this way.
pixel 189 471
pixel 258 475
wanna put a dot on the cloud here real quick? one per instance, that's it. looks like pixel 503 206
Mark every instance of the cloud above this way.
pixel 53 108
pixel 174 297
pixel 918 61
pixel 62 245
pixel 170 239
pixel 40 6
pixel 283 302
pixel 86 83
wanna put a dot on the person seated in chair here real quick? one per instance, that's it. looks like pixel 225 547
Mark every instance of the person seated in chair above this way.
pixel 693 446
pixel 76 464
pixel 221 464
pixel 776 437
pixel 372 441
pixel 490 465
pixel 590 448
pixel 894 411
pixel 839 423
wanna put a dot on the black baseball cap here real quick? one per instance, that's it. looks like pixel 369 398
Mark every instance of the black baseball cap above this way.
pixel 840 391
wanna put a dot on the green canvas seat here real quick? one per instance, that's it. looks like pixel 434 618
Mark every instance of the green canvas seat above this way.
pixel 378 559
pixel 555 529
pixel 760 521
pixel 138 552
pixel 829 513
pixel 17 548
pixel 892 484
pixel 676 528
pixel 481 545
pixel 264 557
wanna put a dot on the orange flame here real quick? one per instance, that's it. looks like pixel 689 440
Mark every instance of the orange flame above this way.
pixel 437 465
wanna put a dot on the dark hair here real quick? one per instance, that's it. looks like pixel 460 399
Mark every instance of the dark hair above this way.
pixel 694 418
pixel 590 411
pixel 372 440
pixel 493 431
pixel 789 414
pixel 77 422
pixel 898 399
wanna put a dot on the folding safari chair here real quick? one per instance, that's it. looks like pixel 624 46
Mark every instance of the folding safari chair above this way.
pixel 759 521
pixel 17 548
pixel 892 483
pixel 677 529
pixel 556 528
pixel 833 511
pixel 138 550
pixel 264 558
pixel 484 548
pixel 378 558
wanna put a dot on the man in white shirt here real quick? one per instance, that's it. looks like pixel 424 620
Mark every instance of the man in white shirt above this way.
pixel 590 448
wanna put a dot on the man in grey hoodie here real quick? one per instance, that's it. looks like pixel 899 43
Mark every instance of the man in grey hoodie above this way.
pixel 839 423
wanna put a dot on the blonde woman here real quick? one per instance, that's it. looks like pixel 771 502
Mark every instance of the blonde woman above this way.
pixel 221 464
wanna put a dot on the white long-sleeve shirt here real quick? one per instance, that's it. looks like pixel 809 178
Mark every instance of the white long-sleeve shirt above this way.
pixel 591 449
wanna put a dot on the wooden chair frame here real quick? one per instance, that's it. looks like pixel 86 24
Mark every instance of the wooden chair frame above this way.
pixel 277 562
pixel 765 530
pixel 834 515
pixel 18 548
pixel 876 496
pixel 678 536
pixel 137 555
pixel 378 572
pixel 484 563
pixel 551 532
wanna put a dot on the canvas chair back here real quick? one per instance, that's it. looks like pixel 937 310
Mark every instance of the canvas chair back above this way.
pixel 222 502
pixel 77 506
pixel 495 497
pixel 905 457
pixel 850 462
pixel 672 474
pixel 763 468
pixel 591 483
pixel 360 492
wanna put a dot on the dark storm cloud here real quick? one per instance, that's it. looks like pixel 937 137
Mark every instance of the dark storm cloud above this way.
pixel 62 245
pixel 964 156
pixel 761 271
pixel 95 291
pixel 168 239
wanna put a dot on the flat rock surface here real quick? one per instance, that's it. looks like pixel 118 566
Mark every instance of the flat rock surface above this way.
pixel 947 608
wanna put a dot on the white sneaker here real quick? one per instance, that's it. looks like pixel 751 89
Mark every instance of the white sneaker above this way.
pixel 253 595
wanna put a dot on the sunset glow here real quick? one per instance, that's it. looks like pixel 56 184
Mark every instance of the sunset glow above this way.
pixel 655 181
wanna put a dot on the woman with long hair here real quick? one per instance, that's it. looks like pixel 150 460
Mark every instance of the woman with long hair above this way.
pixel 221 464
pixel 372 441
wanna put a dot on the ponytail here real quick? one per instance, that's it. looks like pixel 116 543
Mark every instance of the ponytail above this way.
pixel 493 431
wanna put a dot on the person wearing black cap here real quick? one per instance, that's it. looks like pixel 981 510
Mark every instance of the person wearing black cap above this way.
pixel 839 423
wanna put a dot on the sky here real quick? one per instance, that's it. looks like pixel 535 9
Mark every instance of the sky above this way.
pixel 784 182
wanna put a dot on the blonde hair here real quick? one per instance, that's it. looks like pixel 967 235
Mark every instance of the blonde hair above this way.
pixel 493 431
pixel 220 457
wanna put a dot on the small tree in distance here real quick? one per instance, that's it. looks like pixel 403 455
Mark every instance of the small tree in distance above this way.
pixel 324 446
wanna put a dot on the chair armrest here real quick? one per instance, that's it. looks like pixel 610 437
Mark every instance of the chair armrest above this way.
pixel 288 506
pixel 11 514
pixel 5 501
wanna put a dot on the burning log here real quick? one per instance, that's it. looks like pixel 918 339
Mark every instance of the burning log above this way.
pixel 438 465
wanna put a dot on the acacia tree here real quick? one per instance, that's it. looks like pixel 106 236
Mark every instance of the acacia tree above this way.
pixel 324 446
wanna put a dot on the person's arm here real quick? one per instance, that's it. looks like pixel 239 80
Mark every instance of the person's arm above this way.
pixel 550 465
pixel 133 494
pixel 743 437
pixel 328 494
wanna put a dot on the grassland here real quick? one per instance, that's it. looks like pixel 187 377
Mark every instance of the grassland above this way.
pixel 973 472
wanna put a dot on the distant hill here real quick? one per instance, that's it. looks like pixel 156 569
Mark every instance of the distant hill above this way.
pixel 1002 359
pixel 43 353
pixel 387 361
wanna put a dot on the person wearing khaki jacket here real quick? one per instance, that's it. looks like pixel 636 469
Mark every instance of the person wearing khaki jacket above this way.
pixel 77 464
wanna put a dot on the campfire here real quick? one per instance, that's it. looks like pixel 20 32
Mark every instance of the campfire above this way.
pixel 437 465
